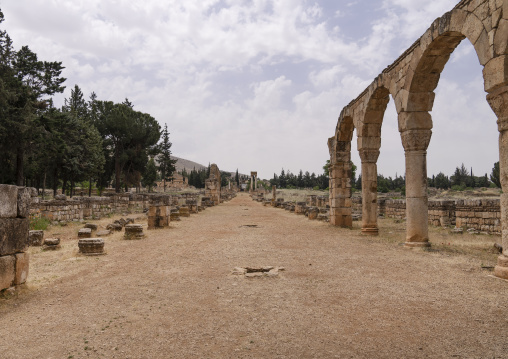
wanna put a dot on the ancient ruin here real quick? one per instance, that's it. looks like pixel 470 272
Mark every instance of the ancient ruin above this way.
pixel 91 246
pixel 253 181
pixel 411 81
pixel 213 185
pixel 14 224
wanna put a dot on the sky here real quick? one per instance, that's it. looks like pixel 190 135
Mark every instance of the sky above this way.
pixel 258 85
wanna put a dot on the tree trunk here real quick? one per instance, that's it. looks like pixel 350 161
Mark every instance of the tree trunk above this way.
pixel 90 188
pixel 55 182
pixel 117 174
pixel 44 185
pixel 19 166
pixel 64 186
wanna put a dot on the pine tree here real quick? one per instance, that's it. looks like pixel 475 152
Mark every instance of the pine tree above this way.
pixel 166 164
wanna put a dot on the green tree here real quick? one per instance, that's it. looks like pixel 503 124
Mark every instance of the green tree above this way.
pixel 495 175
pixel 441 181
pixel 150 175
pixel 166 163
pixel 237 178
pixel 129 137
pixel 35 80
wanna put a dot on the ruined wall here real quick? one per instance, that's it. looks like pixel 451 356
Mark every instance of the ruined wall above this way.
pixel 213 185
pixel 79 208
pixel 14 225
pixel 481 214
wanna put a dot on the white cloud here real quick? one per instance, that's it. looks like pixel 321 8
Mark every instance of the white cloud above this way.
pixel 256 85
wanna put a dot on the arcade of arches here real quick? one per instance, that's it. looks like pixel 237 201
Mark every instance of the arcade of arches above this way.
pixel 411 81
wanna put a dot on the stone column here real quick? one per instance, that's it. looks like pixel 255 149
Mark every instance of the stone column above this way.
pixel 498 101
pixel 415 144
pixel 369 191
pixel 255 182
pixel 340 187
pixel 274 193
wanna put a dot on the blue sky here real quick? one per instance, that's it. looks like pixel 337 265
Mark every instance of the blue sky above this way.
pixel 258 85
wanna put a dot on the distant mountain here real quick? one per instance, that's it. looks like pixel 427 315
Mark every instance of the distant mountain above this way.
pixel 182 163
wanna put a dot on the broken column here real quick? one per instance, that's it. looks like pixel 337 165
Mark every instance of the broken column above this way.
pixel 14 225
pixel 213 185
pixel 158 217
pixel 133 231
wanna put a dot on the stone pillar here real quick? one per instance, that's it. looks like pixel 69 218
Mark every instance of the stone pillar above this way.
pixel 498 101
pixel 274 193
pixel 340 186
pixel 369 191
pixel 415 144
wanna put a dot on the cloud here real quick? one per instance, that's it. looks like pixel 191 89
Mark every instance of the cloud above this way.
pixel 257 85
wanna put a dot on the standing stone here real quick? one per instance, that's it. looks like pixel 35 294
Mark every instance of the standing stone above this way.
pixel 21 268
pixel 134 231
pixel 8 201
pixel 13 235
pixel 91 246
pixel 35 238
pixel 7 271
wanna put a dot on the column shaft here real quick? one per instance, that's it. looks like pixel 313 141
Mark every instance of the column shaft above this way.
pixel 417 234
pixel 369 198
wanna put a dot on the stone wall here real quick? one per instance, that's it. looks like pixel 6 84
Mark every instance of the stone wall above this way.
pixel 79 208
pixel 14 225
pixel 480 214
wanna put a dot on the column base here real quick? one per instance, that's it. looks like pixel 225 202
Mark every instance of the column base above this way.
pixel 370 231
pixel 417 244
pixel 501 270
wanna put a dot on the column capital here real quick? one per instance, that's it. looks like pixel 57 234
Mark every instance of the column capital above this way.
pixel 416 140
pixel 368 155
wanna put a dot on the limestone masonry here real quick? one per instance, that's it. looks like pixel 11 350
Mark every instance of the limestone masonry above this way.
pixel 14 241
pixel 411 81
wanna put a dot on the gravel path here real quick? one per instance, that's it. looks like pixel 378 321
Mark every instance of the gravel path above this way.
pixel 173 295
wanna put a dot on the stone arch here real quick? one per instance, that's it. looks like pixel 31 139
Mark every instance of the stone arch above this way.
pixel 340 172
pixel 416 99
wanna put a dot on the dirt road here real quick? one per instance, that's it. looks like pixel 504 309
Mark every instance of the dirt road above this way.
pixel 173 295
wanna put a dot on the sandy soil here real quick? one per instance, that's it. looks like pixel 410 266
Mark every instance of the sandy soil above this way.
pixel 173 295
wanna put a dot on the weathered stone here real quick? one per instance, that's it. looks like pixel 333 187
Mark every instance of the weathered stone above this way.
pixel 35 238
pixel 61 197
pixel 91 246
pixel 85 233
pixel 8 201
pixel 13 235
pixel 21 268
pixel 51 241
pixel 7 271
pixel 114 227
pixel 134 231
pixel 92 226
pixel 24 200
pixel 103 233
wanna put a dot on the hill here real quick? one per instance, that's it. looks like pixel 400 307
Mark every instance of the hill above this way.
pixel 182 163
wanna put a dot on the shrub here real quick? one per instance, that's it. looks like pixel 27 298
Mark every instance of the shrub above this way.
pixel 458 188
pixel 39 224
pixel 316 188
